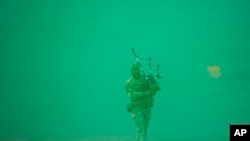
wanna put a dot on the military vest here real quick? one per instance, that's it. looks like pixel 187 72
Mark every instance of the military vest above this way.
pixel 141 85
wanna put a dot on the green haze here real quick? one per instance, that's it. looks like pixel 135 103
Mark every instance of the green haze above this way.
pixel 64 64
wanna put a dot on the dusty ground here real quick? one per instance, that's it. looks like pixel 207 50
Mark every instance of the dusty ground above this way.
pixel 85 139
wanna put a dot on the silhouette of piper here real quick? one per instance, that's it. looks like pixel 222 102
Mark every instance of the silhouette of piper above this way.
pixel 141 90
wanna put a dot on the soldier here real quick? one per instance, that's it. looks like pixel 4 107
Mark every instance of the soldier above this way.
pixel 141 93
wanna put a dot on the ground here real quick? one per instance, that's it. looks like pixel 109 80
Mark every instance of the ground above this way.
pixel 80 139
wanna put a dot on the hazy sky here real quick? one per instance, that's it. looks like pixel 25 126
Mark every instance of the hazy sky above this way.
pixel 64 64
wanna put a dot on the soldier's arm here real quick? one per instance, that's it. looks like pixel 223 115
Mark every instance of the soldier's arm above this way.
pixel 131 93
pixel 153 89
pixel 155 85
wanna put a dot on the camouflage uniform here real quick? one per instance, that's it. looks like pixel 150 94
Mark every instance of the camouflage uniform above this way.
pixel 140 93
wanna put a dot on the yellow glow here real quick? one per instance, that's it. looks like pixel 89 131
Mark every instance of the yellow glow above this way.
pixel 214 71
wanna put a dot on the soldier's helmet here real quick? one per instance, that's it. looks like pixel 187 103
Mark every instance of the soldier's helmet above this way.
pixel 135 70
pixel 134 67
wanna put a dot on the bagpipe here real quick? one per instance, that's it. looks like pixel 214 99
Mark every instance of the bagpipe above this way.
pixel 152 78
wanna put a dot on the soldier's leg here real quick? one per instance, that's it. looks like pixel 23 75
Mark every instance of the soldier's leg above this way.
pixel 147 117
pixel 138 117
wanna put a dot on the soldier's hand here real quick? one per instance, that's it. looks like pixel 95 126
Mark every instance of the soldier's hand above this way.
pixel 154 87
pixel 150 92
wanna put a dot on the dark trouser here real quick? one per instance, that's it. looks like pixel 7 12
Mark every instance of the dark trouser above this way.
pixel 141 118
